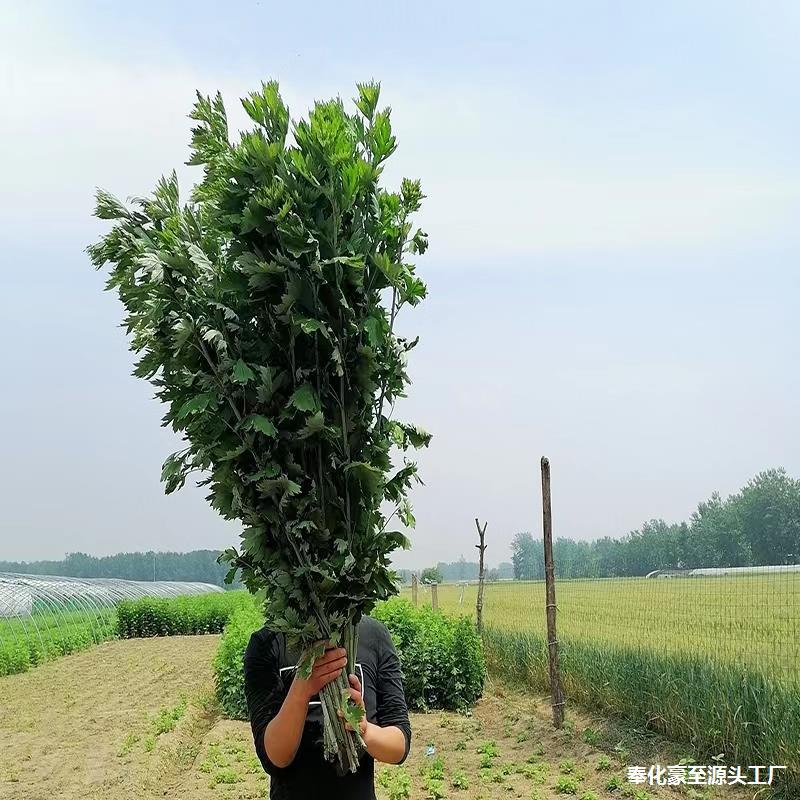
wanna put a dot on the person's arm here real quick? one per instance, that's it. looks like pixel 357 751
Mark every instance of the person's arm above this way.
pixel 283 733
pixel 390 739
pixel 387 744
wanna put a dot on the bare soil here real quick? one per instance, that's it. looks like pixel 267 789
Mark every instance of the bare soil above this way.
pixel 136 719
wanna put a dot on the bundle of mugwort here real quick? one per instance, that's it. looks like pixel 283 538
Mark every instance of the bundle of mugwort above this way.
pixel 264 313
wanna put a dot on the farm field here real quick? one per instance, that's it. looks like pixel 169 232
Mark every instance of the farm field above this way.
pixel 713 661
pixel 136 718
pixel 751 620
pixel 28 641
pixel 50 631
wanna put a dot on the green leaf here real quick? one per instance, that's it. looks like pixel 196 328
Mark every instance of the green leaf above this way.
pixel 271 470
pixel 373 327
pixel 404 435
pixel 199 258
pixel 108 207
pixel 405 513
pixel 304 398
pixel 352 712
pixel 397 539
pixel 392 271
pixel 370 477
pixel 368 96
pixel 196 405
pixel 271 487
pixel 307 659
pixel 313 326
pixel 242 373
pixel 314 424
pixel 262 424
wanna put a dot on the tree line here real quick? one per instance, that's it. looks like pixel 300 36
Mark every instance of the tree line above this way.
pixel 757 526
pixel 197 565
pixel 455 571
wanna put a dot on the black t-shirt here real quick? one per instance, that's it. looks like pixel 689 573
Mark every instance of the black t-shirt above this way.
pixel 268 673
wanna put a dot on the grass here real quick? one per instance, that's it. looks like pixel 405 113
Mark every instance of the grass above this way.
pixel 751 620
pixel 718 708
pixel 167 718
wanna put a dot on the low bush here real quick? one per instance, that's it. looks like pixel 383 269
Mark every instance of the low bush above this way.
pixel 178 616
pixel 228 662
pixel 441 657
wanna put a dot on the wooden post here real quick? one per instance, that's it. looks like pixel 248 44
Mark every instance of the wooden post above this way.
pixel 414 590
pixel 556 690
pixel 435 596
pixel 481 574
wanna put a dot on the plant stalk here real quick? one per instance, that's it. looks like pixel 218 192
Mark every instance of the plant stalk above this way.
pixel 339 743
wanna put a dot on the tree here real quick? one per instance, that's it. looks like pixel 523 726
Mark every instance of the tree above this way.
pixel 263 311
pixel 481 547
pixel 431 575
pixel 527 557
pixel 505 570
pixel 768 513
pixel 197 565
pixel 461 569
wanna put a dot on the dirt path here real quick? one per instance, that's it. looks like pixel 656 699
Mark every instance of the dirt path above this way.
pixel 135 719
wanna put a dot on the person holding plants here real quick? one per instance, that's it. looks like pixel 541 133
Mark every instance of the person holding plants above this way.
pixel 263 309
pixel 286 717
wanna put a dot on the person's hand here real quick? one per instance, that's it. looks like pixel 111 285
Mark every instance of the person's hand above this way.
pixel 325 670
pixel 355 696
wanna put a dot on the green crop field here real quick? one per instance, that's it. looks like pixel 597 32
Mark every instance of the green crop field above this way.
pixel 52 631
pixel 28 641
pixel 751 620
pixel 709 660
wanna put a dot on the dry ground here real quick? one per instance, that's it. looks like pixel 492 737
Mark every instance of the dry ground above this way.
pixel 136 719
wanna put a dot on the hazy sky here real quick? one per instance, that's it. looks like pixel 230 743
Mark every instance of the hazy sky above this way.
pixel 613 205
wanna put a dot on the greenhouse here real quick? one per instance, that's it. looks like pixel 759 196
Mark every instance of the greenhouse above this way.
pixel 43 616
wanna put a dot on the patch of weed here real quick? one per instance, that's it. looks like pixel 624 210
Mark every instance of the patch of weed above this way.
pixel 566 784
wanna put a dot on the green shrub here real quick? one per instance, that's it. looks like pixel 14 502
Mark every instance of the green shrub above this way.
pixel 396 781
pixel 566 785
pixel 178 616
pixel 441 656
pixel 459 780
pixel 229 660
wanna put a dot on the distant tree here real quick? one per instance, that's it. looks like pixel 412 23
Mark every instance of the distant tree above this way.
pixel 196 565
pixel 505 570
pixel 431 575
pixel 493 574
pixel 460 570
pixel 527 557
pixel 767 510
pixel 403 576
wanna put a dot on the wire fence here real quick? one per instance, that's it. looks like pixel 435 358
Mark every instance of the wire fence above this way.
pixel 708 656
pixel 735 618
